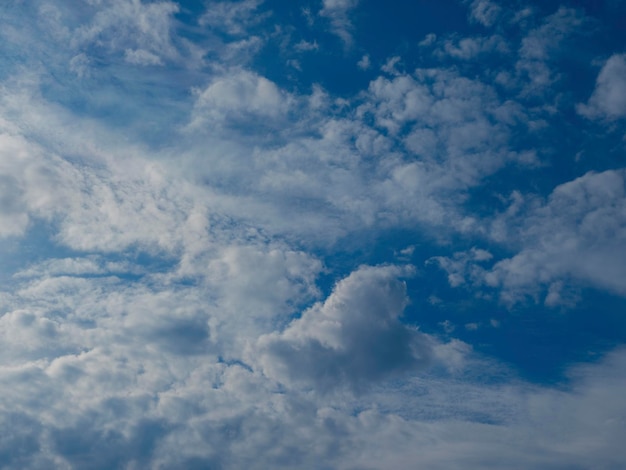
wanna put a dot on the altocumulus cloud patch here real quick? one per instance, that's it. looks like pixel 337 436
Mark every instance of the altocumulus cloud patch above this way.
pixel 333 235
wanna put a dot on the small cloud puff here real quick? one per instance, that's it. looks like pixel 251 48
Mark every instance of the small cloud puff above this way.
pixel 365 62
pixel 484 12
pixel 240 95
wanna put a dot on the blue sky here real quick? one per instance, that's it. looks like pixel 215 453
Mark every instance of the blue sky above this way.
pixel 338 234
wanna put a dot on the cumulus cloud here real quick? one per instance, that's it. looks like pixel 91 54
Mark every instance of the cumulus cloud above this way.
pixel 577 233
pixel 451 123
pixel 238 96
pixel 355 337
pixel 574 236
pixel 608 100
pixel 451 133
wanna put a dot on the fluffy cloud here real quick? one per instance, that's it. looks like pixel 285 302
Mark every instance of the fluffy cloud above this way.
pixel 238 97
pixel 353 338
pixel 146 381
pixel 608 100
pixel 426 136
pixel 34 183
pixel 577 234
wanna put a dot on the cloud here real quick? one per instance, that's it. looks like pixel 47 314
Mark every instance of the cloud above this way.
pixel 428 40
pixel 577 233
pixel 148 401
pixel 141 57
pixel 484 12
pixel 165 289
pixel 232 17
pixel 337 13
pixel 449 122
pixel 145 28
pixel 575 236
pixel 433 133
pixel 462 267
pixel 469 48
pixel 536 51
pixel 364 63
pixel 355 337
pixel 305 46
pixel 34 183
pixel 608 100
pixel 239 96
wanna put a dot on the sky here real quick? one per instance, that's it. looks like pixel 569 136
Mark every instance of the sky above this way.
pixel 336 234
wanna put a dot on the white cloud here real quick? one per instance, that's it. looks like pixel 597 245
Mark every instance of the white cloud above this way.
pixel 337 12
pixel 576 236
pixel 304 46
pixel 232 17
pixel 462 267
pixel 608 100
pixel 161 409
pixel 484 12
pixel 578 233
pixel 455 125
pixel 355 337
pixel 131 25
pixel 168 295
pixel 469 48
pixel 433 134
pixel 535 54
pixel 238 96
pixel 141 57
pixel 364 63
pixel 34 183
pixel 428 40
